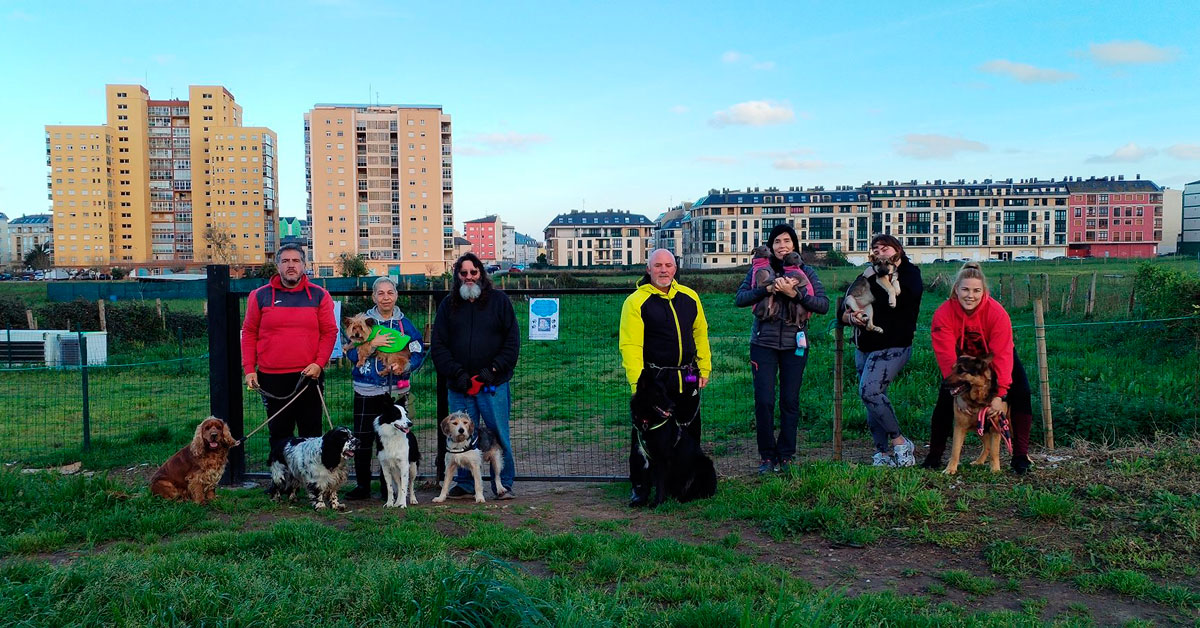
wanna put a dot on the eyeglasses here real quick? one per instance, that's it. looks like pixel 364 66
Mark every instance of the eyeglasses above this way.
pixel 468 273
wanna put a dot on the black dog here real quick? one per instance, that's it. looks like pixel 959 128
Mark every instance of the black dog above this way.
pixel 663 449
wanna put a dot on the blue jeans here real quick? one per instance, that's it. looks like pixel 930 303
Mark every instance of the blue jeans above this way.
pixel 877 370
pixel 494 410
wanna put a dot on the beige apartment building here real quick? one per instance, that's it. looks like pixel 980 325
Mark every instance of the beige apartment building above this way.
pixel 380 185
pixel 163 183
pixel 604 238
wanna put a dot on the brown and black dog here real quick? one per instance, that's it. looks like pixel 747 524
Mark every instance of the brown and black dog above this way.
pixel 194 471
pixel 859 297
pixel 469 445
pixel 972 383
pixel 371 338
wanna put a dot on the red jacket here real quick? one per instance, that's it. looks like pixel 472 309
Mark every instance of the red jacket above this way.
pixel 287 329
pixel 987 330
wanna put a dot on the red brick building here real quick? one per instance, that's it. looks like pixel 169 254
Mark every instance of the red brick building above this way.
pixel 486 236
pixel 1113 217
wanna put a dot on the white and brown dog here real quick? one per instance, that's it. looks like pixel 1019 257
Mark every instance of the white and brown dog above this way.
pixel 398 456
pixel 469 445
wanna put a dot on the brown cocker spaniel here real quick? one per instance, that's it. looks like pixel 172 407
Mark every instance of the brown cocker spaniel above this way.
pixel 193 472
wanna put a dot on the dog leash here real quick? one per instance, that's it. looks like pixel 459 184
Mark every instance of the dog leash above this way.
pixel 1000 424
pixel 324 408
pixel 295 395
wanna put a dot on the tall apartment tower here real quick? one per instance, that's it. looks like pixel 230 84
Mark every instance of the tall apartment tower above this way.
pixel 380 185
pixel 152 185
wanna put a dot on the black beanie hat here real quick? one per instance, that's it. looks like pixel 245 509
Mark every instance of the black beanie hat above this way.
pixel 783 227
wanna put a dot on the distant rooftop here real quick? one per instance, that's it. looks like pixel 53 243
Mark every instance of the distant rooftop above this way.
pixel 606 217
pixel 362 107
pixel 1109 184
pixel 525 240
pixel 488 218
pixel 32 219
pixel 460 241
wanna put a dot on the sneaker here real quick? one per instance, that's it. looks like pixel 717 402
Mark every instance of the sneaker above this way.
pixel 458 491
pixel 766 466
pixel 507 494
pixel 903 454
pixel 637 501
pixel 883 460
pixel 359 492
pixel 1020 465
pixel 784 465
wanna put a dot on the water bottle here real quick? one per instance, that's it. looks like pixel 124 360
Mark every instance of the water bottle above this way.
pixel 801 343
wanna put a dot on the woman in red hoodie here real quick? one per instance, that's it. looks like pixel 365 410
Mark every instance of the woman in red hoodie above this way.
pixel 971 322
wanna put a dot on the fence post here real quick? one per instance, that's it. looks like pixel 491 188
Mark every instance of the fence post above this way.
pixel 1132 294
pixel 29 318
pixel 838 337
pixel 224 366
pixel 1071 295
pixel 161 319
pixel 179 336
pixel 100 309
pixel 1091 302
pixel 83 377
pixel 8 331
pixel 1046 288
pixel 1039 334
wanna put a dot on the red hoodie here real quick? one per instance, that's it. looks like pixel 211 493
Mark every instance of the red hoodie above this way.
pixel 987 330
pixel 286 329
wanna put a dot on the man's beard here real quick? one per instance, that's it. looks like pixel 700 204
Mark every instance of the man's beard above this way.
pixel 470 291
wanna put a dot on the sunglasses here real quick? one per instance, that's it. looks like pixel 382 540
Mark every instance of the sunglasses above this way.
pixel 468 273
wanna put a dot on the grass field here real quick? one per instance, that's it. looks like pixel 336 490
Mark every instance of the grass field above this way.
pixel 1100 534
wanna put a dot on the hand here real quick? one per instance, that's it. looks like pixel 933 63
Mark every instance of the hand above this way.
pixel 703 382
pixel 858 319
pixel 487 376
pixel 787 286
pixel 312 370
pixel 462 383
pixel 996 408
pixel 252 381
pixel 382 341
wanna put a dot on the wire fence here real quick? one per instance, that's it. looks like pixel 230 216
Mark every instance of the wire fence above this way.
pixel 570 397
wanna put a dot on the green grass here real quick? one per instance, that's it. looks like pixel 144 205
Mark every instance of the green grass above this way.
pixel 965 581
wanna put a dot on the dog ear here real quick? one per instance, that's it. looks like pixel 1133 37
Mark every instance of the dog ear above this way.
pixel 197 442
pixel 987 359
pixel 227 436
pixel 444 425
pixel 370 322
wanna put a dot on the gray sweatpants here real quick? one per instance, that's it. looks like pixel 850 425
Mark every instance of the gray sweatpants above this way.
pixel 876 370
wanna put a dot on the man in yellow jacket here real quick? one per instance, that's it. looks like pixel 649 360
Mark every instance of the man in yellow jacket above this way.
pixel 663 327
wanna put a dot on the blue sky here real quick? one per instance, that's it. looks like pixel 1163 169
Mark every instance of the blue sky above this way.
pixel 634 105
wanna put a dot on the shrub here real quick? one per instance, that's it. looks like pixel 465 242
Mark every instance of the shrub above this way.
pixel 1167 293
pixel 74 315
pixel 12 313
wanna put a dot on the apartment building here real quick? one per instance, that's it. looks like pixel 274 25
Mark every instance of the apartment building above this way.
pixel 152 185
pixel 380 184
pixel 28 232
pixel 1172 221
pixel 294 230
pixel 1189 233
pixel 668 226
pixel 1115 217
pixel 508 243
pixel 487 237
pixel 526 249
pixel 6 257
pixel 723 227
pixel 605 238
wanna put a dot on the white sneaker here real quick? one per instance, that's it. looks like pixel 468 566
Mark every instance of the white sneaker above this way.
pixel 883 460
pixel 904 454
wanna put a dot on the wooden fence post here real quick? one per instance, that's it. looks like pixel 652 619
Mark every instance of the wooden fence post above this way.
pixel 839 336
pixel 1039 334
pixel 100 307
pixel 1132 295
pixel 1046 288
pixel 1091 302
pixel 1071 295
pixel 29 318
pixel 1001 295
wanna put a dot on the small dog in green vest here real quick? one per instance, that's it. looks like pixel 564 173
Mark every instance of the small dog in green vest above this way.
pixel 372 339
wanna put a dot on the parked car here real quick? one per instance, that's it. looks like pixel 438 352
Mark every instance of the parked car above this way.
pixel 491 268
pixel 1026 258
pixel 515 270
pixel 6 276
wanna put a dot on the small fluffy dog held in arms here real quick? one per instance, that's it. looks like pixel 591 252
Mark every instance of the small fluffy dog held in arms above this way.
pixel 676 464
pixel 194 471
pixel 316 464
pixel 371 338
pixel 764 276
pixel 398 456
pixel 859 297
pixel 469 445
pixel 972 383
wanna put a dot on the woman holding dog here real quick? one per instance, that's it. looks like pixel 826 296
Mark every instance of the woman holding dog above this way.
pixel 374 385
pixel 971 322
pixel 778 350
pixel 880 356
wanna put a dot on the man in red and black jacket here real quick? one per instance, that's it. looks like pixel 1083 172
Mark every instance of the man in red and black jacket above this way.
pixel 288 335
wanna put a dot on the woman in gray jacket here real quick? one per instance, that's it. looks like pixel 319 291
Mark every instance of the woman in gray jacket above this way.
pixel 778 348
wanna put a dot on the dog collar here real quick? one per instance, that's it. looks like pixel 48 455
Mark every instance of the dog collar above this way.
pixel 473 444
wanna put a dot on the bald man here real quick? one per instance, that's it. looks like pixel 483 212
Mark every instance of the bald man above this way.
pixel 663 328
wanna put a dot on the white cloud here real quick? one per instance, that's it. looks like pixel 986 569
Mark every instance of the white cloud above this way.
pixel 780 154
pixel 933 146
pixel 1130 53
pixel 787 163
pixel 1184 151
pixel 733 56
pixel 754 113
pixel 679 109
pixel 1026 73
pixel 717 159
pixel 498 143
pixel 1127 153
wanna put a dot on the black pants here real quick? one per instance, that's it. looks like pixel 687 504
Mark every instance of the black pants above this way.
pixel 1020 409
pixel 768 365
pixel 303 416
pixel 687 404
pixel 365 411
